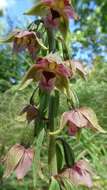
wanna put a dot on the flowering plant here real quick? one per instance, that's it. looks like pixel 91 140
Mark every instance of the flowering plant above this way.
pixel 52 76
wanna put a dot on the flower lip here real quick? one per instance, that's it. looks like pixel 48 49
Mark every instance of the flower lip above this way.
pixel 77 169
pixel 55 14
pixel 48 75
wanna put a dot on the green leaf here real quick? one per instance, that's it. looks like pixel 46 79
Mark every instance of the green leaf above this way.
pixel 36 163
pixel 68 153
pixel 60 156
pixel 68 185
pixel 54 184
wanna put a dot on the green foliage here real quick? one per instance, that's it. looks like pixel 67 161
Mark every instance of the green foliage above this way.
pixel 11 68
pixel 36 164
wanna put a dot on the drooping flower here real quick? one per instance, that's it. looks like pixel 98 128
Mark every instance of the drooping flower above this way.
pixel 76 67
pixel 55 13
pixel 50 72
pixel 19 160
pixel 30 112
pixel 79 118
pixel 79 174
pixel 25 40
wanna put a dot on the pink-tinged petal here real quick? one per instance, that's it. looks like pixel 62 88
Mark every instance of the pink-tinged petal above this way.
pixel 70 13
pixel 62 70
pixel 42 63
pixel 91 117
pixel 76 118
pixel 84 165
pixel 22 34
pixel 80 68
pixel 79 174
pixel 66 2
pixel 81 179
pixel 25 164
pixel 12 159
pixel 49 22
pixel 72 130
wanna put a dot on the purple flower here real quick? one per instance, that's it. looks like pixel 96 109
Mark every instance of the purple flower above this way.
pixel 80 118
pixel 55 13
pixel 25 39
pixel 49 72
pixel 76 67
pixel 79 174
pixel 19 160
pixel 77 119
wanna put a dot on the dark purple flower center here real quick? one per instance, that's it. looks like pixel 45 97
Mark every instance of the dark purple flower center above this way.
pixel 48 75
pixel 77 169
pixel 55 14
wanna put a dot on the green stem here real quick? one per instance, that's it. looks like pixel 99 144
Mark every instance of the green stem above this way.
pixel 51 40
pixel 52 161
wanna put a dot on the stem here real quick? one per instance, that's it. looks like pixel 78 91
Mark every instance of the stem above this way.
pixel 51 40
pixel 52 161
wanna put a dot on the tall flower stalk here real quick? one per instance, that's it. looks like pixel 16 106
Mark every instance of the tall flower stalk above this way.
pixel 52 76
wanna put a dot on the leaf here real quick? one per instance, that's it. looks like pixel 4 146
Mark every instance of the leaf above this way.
pixel 60 156
pixel 36 164
pixel 39 9
pixel 68 153
pixel 92 118
pixel 54 184
pixel 67 184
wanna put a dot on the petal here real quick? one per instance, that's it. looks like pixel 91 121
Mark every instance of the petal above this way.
pixel 25 164
pixel 29 77
pixel 81 179
pixel 10 37
pixel 79 174
pixel 47 85
pixel 12 159
pixel 72 130
pixel 70 13
pixel 64 71
pixel 30 111
pixel 79 68
pixel 77 118
pixel 40 9
pixel 90 115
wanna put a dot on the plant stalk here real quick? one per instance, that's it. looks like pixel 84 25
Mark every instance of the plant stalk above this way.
pixel 52 161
